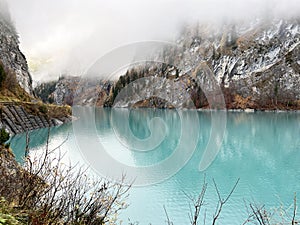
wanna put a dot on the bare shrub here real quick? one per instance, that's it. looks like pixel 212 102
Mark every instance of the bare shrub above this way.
pixel 52 192
pixel 259 214
pixel 198 203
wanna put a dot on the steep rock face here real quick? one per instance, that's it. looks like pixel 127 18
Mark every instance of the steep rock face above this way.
pixel 64 90
pixel 19 109
pixel 67 89
pixel 257 64
pixel 262 62
pixel 10 54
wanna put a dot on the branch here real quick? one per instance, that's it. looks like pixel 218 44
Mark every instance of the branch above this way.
pixel 169 222
pixel 295 210
pixel 222 202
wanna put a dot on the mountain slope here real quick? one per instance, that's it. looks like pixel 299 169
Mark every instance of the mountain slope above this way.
pixel 11 57
pixel 256 65
pixel 20 110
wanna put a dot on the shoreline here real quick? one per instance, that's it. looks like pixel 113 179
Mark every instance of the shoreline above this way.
pixel 247 110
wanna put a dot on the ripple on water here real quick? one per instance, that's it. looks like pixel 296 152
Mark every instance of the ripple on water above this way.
pixel 262 149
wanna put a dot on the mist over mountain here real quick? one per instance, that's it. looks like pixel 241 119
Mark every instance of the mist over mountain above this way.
pixel 4 11
pixel 66 37
pixel 256 64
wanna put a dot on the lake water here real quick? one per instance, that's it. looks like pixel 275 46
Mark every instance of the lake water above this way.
pixel 262 149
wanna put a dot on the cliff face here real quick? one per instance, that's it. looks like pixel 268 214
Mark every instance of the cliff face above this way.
pixel 62 92
pixel 257 66
pixel 260 61
pixel 10 54
pixel 19 110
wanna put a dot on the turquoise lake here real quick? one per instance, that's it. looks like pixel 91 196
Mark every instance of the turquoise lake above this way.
pixel 261 148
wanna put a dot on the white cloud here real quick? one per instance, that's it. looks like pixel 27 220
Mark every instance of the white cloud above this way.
pixel 67 35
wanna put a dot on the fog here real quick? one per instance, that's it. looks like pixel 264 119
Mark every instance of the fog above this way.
pixel 67 36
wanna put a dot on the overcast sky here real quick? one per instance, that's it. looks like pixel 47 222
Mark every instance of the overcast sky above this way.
pixel 66 36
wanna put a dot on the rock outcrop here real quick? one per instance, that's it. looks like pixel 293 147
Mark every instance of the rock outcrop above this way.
pixel 63 91
pixel 256 64
pixel 19 109
pixel 10 55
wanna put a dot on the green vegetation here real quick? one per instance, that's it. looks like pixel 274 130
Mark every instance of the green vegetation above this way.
pixel 45 90
pixel 7 219
pixel 43 109
pixel 7 214
pixel 4 136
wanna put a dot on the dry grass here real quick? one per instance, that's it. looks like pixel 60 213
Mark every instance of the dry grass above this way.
pixel 243 103
pixel 49 110
pixel 10 90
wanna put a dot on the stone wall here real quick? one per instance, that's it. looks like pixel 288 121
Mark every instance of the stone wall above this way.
pixel 15 119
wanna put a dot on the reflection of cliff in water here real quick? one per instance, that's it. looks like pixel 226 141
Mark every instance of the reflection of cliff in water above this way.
pixel 136 131
pixel 102 118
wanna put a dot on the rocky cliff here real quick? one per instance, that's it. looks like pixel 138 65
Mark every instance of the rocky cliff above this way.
pixel 256 65
pixel 20 111
pixel 10 55
pixel 62 92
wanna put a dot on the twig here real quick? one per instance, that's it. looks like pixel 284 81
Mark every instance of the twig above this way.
pixel 169 222
pixel 27 144
pixel 295 210
pixel 222 202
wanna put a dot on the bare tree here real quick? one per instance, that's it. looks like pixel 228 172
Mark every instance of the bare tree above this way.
pixel 198 203
pixel 277 216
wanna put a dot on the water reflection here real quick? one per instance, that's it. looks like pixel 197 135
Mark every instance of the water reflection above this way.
pixel 263 149
pixel 38 139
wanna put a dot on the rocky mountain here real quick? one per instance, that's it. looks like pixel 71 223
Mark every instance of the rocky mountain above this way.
pixel 20 111
pixel 62 92
pixel 10 55
pixel 255 64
